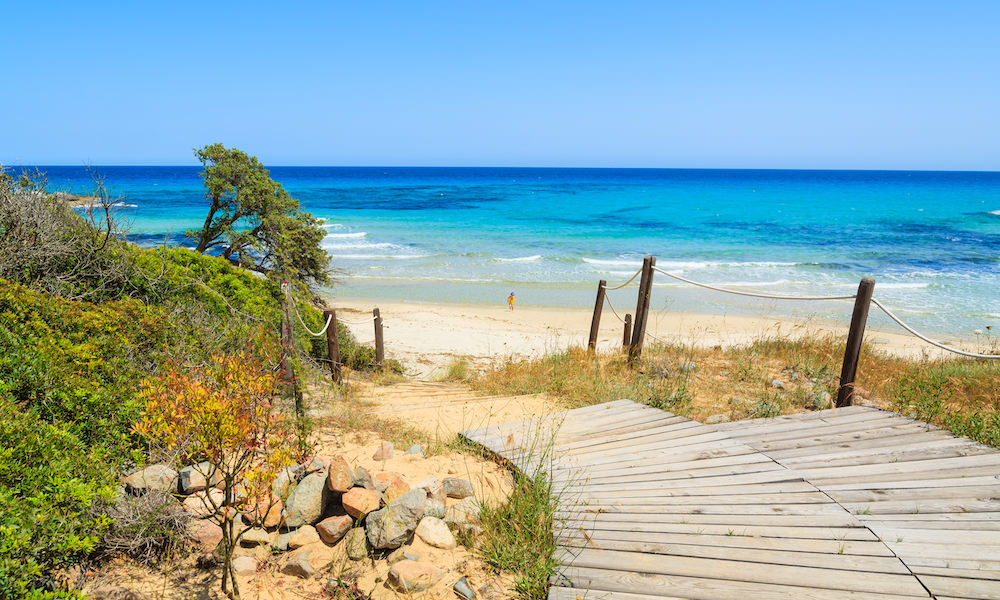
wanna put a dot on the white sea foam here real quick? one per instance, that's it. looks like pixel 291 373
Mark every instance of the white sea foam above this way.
pixel 533 258
pixel 356 234
pixel 613 263
pixel 901 286
pixel 125 205
pixel 329 245
pixel 995 212
pixel 331 225
pixel 731 284
pixel 378 256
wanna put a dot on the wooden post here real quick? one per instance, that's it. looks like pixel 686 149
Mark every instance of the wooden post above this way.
pixel 595 322
pixel 333 346
pixel 854 338
pixel 286 343
pixel 627 339
pixel 379 350
pixel 642 307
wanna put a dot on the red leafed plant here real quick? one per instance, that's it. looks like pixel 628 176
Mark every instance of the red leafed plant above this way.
pixel 224 413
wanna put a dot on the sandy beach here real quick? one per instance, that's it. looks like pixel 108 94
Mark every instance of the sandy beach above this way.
pixel 426 337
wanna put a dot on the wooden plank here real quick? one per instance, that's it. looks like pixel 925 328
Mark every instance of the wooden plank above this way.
pixel 832 519
pixel 737 570
pixel 667 475
pixel 959 587
pixel 753 424
pixel 899 435
pixel 916 467
pixel 703 508
pixel 851 547
pixel 848 562
pixel 704 588
pixel 945 448
pixel 918 552
pixel 975 492
pixel 635 468
pixel 955 481
pixel 919 507
pixel 807 498
pixel 927 477
pixel 707 490
pixel 813 533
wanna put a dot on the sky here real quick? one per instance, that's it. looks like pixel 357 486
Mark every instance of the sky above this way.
pixel 743 84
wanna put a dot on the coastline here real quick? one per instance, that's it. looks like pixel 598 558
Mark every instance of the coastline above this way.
pixel 427 336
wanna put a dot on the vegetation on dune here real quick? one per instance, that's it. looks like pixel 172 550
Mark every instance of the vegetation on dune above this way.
pixel 85 318
pixel 764 379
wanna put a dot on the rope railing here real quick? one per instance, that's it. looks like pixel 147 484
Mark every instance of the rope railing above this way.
pixel 862 300
pixel 751 294
pixel 916 333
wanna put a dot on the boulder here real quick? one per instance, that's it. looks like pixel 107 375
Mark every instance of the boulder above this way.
pixel 358 502
pixel 435 532
pixel 434 489
pixel 462 512
pixel 384 479
pixel 283 482
pixel 457 488
pixel 298 564
pixel 332 529
pixel 254 537
pixel 392 526
pixel 303 536
pixel 160 478
pixel 433 508
pixel 397 487
pixel 339 477
pixel 264 512
pixel 245 565
pixel 194 478
pixel 304 505
pixel 362 478
pixel 384 452
pixel 280 541
pixel 205 503
pixel 413 575
pixel 205 534
pixel 356 544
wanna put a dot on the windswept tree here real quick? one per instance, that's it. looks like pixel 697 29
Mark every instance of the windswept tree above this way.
pixel 254 222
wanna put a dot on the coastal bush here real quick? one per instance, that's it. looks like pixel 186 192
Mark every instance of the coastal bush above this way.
pixel 50 484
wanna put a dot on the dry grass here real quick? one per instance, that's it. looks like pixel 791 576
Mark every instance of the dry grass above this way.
pixel 766 378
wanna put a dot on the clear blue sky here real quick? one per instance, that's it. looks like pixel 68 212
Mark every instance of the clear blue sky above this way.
pixel 798 84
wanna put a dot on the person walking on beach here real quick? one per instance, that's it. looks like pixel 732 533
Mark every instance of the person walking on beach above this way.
pixel 510 301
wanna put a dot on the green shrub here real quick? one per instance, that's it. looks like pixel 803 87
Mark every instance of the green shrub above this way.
pixel 49 486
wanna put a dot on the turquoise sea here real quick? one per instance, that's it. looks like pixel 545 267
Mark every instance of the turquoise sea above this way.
pixel 931 240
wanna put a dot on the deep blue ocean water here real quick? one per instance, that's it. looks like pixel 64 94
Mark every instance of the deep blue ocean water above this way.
pixel 930 239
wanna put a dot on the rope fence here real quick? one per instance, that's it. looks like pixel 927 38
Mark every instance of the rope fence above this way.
pixel 862 300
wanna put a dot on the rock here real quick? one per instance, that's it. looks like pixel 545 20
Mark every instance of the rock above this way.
pixel 397 487
pixel 434 489
pixel 392 526
pixel 415 449
pixel 413 576
pixel 435 532
pixel 305 504
pixel 687 367
pixel 492 591
pixel 716 419
pixel 160 478
pixel 115 593
pixel 254 512
pixel 255 536
pixel 245 565
pixel 384 452
pixel 204 503
pixel 356 544
pixel 283 482
pixel 303 536
pixel 384 479
pixel 776 383
pixel 465 511
pixel 280 542
pixel 339 477
pixel 298 565
pixel 433 508
pixel 194 478
pixel 358 502
pixel 457 488
pixel 362 478
pixel 463 589
pixel 333 528
pixel 205 534
pixel 820 401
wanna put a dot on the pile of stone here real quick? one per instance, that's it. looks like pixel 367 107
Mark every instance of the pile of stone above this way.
pixel 325 503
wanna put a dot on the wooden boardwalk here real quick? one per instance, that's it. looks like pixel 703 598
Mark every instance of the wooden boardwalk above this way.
pixel 855 502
